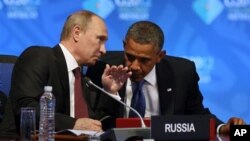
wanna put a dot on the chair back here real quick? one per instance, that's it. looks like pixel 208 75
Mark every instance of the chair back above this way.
pixel 6 65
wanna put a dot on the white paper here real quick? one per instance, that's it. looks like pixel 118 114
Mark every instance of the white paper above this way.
pixel 81 132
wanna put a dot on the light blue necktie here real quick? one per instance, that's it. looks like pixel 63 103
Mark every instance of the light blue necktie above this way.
pixel 138 99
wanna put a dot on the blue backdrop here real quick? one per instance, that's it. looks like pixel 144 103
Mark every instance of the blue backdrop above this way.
pixel 213 33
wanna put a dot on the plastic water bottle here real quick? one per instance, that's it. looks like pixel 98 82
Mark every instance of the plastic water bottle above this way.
pixel 47 115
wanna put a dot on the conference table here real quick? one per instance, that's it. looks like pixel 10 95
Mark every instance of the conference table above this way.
pixel 71 137
pixel 60 137
pixel 121 124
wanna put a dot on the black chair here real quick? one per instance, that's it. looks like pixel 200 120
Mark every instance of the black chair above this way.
pixel 6 65
pixel 3 100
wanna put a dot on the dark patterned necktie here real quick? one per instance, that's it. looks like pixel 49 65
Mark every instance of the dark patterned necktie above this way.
pixel 138 99
pixel 81 109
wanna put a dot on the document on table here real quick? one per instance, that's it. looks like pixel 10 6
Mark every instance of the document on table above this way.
pixel 81 132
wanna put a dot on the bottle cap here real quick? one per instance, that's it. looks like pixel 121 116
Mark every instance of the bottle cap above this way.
pixel 48 88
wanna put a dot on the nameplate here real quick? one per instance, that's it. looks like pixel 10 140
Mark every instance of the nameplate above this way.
pixel 182 127
pixel 239 132
pixel 131 122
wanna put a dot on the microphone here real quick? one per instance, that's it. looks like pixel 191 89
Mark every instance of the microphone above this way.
pixel 89 82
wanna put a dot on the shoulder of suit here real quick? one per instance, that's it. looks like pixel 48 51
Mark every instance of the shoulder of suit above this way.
pixel 178 64
pixel 179 60
pixel 37 49
pixel 36 52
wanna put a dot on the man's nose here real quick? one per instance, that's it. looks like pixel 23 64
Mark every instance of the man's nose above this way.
pixel 135 65
pixel 103 49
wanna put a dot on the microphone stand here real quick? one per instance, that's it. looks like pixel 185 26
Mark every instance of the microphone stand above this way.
pixel 109 94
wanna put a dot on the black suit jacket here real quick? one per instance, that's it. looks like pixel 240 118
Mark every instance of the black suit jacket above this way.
pixel 178 88
pixel 40 66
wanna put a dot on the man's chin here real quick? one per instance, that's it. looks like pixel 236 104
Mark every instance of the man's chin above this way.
pixel 91 63
pixel 135 79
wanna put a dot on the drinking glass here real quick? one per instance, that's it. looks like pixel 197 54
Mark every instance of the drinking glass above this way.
pixel 27 123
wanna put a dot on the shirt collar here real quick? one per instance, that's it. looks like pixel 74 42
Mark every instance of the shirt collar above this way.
pixel 151 77
pixel 70 60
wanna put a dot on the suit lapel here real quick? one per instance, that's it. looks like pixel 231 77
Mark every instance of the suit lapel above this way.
pixel 122 93
pixel 62 71
pixel 166 87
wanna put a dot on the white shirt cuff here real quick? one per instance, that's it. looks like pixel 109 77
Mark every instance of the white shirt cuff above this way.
pixel 218 128
pixel 116 96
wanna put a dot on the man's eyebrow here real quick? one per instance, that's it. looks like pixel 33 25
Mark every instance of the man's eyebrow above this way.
pixel 140 57
pixel 103 37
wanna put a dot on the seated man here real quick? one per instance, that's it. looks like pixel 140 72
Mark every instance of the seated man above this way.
pixel 170 84
pixel 82 43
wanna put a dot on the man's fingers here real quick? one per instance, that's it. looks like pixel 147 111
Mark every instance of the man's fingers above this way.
pixel 237 121
pixel 97 122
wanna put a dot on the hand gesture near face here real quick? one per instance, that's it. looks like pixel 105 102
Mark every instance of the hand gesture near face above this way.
pixel 114 77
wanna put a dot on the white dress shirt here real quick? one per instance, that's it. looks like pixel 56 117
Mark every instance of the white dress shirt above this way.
pixel 150 91
pixel 71 65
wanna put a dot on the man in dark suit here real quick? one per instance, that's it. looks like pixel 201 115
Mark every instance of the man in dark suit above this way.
pixel 170 83
pixel 82 43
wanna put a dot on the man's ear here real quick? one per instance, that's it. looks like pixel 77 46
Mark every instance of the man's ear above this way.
pixel 162 54
pixel 124 43
pixel 76 32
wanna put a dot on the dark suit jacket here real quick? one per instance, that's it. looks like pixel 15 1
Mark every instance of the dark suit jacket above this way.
pixel 40 66
pixel 179 74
